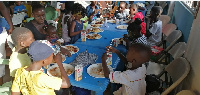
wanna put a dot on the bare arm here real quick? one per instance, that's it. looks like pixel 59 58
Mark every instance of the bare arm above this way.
pixel 72 33
pixel 65 79
pixel 121 56
pixel 104 65
pixel 6 15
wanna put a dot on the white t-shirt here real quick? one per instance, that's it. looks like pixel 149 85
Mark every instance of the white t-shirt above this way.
pixel 156 31
pixel 133 81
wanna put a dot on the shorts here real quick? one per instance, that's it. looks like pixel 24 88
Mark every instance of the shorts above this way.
pixel 2 70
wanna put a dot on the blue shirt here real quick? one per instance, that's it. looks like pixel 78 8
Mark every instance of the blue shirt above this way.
pixel 19 8
pixel 89 11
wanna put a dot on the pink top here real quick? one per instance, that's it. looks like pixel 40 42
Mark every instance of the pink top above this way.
pixel 143 25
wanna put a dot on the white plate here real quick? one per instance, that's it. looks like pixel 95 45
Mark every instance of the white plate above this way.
pixel 100 30
pixel 122 26
pixel 96 25
pixel 93 70
pixel 111 21
pixel 72 50
pixel 126 21
pixel 54 70
pixel 99 36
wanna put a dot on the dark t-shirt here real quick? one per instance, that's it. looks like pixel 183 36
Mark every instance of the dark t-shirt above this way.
pixel 36 33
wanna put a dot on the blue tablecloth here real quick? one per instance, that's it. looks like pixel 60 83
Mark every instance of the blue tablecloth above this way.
pixel 98 85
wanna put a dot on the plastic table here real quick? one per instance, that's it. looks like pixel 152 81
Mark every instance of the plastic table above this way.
pixel 98 85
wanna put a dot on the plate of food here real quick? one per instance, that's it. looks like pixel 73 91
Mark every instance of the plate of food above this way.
pixel 96 70
pixel 99 22
pixel 93 36
pixel 122 26
pixel 111 21
pixel 96 30
pixel 63 58
pixel 96 25
pixel 126 21
pixel 72 49
pixel 54 70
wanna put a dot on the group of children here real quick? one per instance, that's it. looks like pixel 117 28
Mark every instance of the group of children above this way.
pixel 26 64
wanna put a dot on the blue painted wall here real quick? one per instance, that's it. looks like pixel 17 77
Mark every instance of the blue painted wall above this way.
pixel 183 19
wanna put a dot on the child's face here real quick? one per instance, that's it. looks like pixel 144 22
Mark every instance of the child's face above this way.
pixel 28 40
pixel 132 11
pixel 136 58
pixel 18 3
pixel 52 32
pixel 154 15
pixel 78 15
pixel 121 7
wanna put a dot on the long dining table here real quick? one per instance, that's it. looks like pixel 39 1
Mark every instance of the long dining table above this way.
pixel 97 46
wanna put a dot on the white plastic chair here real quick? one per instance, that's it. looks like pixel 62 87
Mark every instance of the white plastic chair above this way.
pixel 178 69
pixel 165 19
pixel 186 92
pixel 168 28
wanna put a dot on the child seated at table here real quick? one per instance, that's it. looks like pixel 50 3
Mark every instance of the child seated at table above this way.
pixel 154 26
pixel 121 13
pixel 22 38
pixel 30 80
pixel 66 21
pixel 135 14
pixel 19 8
pixel 133 78
pixel 77 25
pixel 134 33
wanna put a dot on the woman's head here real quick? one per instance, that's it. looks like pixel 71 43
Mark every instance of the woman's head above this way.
pixel 137 55
pixel 40 52
pixel 78 11
pixel 93 3
pixel 18 3
pixel 38 13
pixel 156 12
pixel 134 29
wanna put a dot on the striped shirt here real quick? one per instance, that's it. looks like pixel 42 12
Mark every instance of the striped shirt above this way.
pixel 142 40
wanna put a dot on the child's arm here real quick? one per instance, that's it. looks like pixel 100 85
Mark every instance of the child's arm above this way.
pixel 121 56
pixel 72 33
pixel 147 20
pixel 104 65
pixel 65 79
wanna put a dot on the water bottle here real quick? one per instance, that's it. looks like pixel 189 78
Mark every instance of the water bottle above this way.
pixel 105 23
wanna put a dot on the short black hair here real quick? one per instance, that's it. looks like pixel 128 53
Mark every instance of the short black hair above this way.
pixel 156 10
pixel 19 34
pixel 69 5
pixel 50 26
pixel 78 8
pixel 141 48
pixel 135 26
pixel 36 6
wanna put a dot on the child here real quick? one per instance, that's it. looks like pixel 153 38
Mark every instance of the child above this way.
pixel 134 33
pixel 51 34
pixel 135 14
pixel 133 79
pixel 30 80
pixel 121 13
pixel 19 7
pixel 66 21
pixel 77 24
pixel 22 38
pixel 154 26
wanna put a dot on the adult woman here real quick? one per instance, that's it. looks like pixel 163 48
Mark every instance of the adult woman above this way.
pixel 38 24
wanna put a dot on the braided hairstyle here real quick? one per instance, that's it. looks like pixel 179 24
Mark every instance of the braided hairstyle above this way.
pixel 134 29
pixel 78 8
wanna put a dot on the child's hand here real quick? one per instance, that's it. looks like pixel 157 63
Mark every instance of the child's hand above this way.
pixel 58 58
pixel 65 52
pixel 111 49
pixel 104 57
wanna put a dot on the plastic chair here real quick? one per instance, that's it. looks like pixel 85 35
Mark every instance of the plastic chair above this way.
pixel 50 13
pixel 186 92
pixel 165 19
pixel 29 19
pixel 29 10
pixel 168 28
pixel 178 69
pixel 176 51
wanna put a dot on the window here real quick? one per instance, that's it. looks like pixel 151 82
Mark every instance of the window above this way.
pixel 193 6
